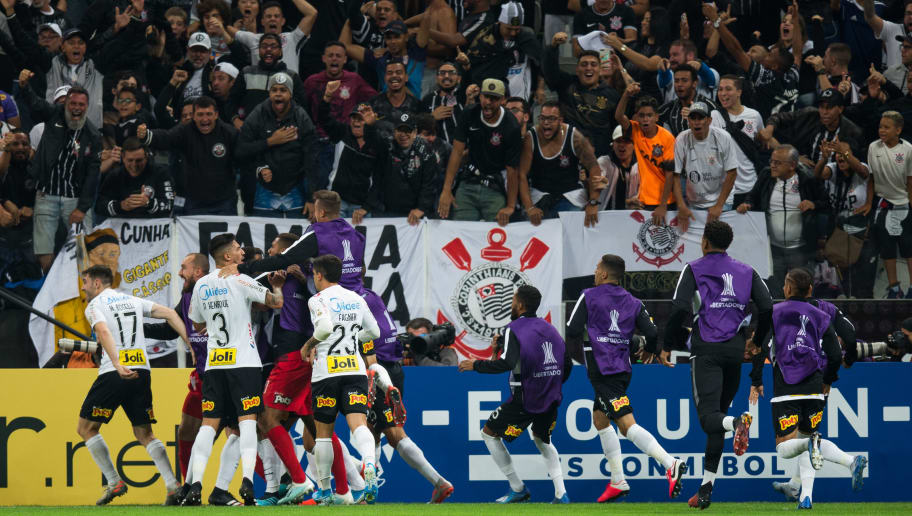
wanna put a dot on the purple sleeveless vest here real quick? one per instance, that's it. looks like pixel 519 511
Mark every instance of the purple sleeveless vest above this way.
pixel 387 346
pixel 827 308
pixel 798 328
pixel 541 356
pixel 295 316
pixel 612 313
pixel 724 285
pixel 338 237
pixel 198 342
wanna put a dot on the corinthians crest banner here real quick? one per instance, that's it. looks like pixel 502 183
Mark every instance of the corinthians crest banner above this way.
pixel 474 268
pixel 646 247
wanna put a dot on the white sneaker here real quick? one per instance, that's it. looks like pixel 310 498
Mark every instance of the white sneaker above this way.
pixel 346 499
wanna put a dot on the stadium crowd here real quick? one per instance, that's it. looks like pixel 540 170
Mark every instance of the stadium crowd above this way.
pixel 467 110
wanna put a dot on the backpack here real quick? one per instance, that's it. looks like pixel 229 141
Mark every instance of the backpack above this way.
pixel 747 145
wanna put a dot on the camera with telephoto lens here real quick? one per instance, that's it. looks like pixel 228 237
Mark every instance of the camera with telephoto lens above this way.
pixel 429 344
pixel 70 345
pixel 896 343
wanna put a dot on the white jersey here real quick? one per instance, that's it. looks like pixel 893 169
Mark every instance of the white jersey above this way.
pixel 224 305
pixel 123 314
pixel 352 323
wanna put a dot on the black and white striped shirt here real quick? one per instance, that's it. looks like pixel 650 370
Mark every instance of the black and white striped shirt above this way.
pixel 61 181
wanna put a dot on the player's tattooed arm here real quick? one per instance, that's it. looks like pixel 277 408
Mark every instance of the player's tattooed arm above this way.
pixel 275 299
pixel 585 153
pixel 308 348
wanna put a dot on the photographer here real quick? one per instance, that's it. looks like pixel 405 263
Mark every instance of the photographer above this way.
pixel 896 348
pixel 431 345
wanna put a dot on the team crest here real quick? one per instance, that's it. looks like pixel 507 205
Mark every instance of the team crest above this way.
pixel 656 244
pixel 496 139
pixel 564 161
pixel 616 23
pixel 657 151
pixel 711 159
pixel 900 158
pixel 218 150
pixel 694 177
pixel 344 92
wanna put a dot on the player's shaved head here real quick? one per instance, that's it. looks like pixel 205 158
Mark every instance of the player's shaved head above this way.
pixel 614 266
pixel 799 281
pixel 219 245
pixel 329 202
pixel 200 261
pixel 286 239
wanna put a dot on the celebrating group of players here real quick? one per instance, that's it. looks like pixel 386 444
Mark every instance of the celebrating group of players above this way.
pixel 345 358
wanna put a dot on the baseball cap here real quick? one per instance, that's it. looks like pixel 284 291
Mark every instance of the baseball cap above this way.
pixel 904 38
pixel 511 13
pixel 618 133
pixel 356 111
pixel 72 33
pixel 493 87
pixel 51 26
pixel 406 120
pixel 832 97
pixel 227 68
pixel 282 79
pixel 199 39
pixel 396 27
pixel 699 108
pixel 61 92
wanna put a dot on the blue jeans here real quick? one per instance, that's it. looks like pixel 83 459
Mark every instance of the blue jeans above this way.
pixel 347 209
pixel 267 200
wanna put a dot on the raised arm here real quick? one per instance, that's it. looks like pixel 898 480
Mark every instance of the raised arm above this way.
pixel 173 320
pixel 620 112
pixel 354 51
pixel 876 22
pixel 308 15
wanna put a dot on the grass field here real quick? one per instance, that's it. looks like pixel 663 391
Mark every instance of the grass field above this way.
pixel 474 509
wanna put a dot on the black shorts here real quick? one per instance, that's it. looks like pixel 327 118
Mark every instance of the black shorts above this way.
pixel 346 394
pixel 803 413
pixel 231 393
pixel 886 243
pixel 381 415
pixel 611 395
pixel 110 391
pixel 510 419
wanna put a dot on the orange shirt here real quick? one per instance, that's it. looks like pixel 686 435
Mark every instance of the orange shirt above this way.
pixel 650 153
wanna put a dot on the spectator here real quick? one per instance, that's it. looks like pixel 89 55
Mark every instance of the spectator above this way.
pixel 733 116
pixel 857 33
pixel 681 52
pixel 196 71
pixel 493 144
pixel 224 75
pixel 177 21
pixel 791 198
pixel 445 103
pixel 395 101
pixel 510 52
pixel 407 187
pixel 706 158
pixel 808 128
pixel 40 12
pixel 833 71
pixel 136 189
pixel 427 129
pixel 673 115
pixel 898 73
pixel 71 67
pixel 131 115
pixel 443 19
pixel 249 90
pixel 585 101
pixel 367 23
pixel 890 162
pixel 273 22
pixel 38 130
pixel 399 47
pixel 654 147
pixel 480 16
pixel 549 171
pixel 332 17
pixel 27 52
pixel 604 16
pixel 619 182
pixel 66 165
pixel 214 15
pixel 447 355
pixel 518 107
pixel 278 141
pixel 207 148
pixel 17 191
pixel 9 113
pixel 889 32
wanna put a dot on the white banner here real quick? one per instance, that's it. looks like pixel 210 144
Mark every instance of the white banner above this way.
pixel 393 253
pixel 136 250
pixel 646 247
pixel 475 268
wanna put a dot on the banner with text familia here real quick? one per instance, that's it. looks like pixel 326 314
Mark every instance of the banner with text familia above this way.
pixel 647 247
pixel 476 267
pixel 393 252
pixel 135 249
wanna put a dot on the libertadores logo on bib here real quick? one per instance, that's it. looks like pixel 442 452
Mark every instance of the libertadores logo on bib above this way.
pixel 656 243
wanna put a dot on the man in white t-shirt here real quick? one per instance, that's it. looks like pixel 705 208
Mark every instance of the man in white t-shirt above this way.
pixel 273 21
pixel 729 95
pixel 342 323
pixel 232 383
pixel 123 379
pixel 890 33
pixel 706 157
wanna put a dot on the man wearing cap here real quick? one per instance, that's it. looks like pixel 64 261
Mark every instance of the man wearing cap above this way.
pixel 224 76
pixel 191 80
pixel 273 21
pixel 809 128
pixel 619 183
pixel 277 143
pixel 38 130
pixel 705 156
pixel 395 100
pixel 399 47
pixel 889 32
pixel 494 143
pixel 896 74
pixel 367 23
pixel 509 51
pixel 25 51
pixel 445 103
pixel 407 186
pixel 72 66
pixel 250 89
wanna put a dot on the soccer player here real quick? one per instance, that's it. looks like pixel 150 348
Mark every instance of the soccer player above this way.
pixel 803 371
pixel 610 315
pixel 388 410
pixel 231 382
pixel 123 377
pixel 342 323
pixel 718 289
pixel 535 355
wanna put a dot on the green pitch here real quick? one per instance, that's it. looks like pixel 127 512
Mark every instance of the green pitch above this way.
pixel 470 509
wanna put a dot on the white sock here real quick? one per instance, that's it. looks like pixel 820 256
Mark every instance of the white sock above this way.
pixel 202 448
pixel 611 446
pixel 310 470
pixel 832 453
pixel 228 462
pixel 352 470
pixel 248 445
pixel 807 476
pixel 728 422
pixel 414 457
pixel 102 457
pixel 189 478
pixel 552 464
pixel 268 455
pixel 383 377
pixel 708 477
pixel 792 448
pixel 648 444
pixel 323 453
pixel 503 460
pixel 378 452
pixel 363 440
pixel 159 456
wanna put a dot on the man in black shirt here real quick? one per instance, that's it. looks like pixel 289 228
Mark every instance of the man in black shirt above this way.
pixel 17 192
pixel 395 101
pixel 445 103
pixel 136 189
pixel 407 188
pixel 605 16
pixel 673 115
pixel 494 143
